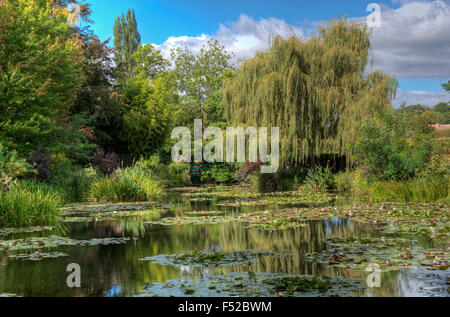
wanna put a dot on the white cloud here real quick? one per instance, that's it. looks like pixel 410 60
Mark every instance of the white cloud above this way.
pixel 414 40
pixel 421 97
pixel 242 37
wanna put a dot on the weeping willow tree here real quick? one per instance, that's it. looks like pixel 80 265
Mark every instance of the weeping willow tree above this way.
pixel 315 91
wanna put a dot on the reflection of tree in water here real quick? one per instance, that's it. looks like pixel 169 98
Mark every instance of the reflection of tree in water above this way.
pixel 116 268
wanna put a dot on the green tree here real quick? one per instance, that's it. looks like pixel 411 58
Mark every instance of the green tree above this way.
pixel 40 70
pixel 199 81
pixel 126 37
pixel 150 100
pixel 442 110
pixel 446 86
pixel 315 91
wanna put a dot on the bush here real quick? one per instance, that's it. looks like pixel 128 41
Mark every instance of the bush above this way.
pixel 288 178
pixel 130 184
pixel 393 145
pixel 264 183
pixel 106 163
pixel 220 173
pixel 71 181
pixel 14 167
pixel 41 161
pixel 353 182
pixel 29 204
pixel 426 189
pixel 283 180
pixel 321 179
pixel 171 175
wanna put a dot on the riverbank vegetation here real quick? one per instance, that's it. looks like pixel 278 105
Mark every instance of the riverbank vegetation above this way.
pixel 91 120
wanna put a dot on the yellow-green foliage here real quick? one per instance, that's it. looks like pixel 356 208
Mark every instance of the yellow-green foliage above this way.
pixel 131 184
pixel 352 182
pixel 426 189
pixel 314 90
pixel 28 205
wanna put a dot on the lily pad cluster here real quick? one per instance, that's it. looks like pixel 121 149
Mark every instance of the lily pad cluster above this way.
pixel 178 221
pixel 104 207
pixel 150 214
pixel 255 285
pixel 55 241
pixel 198 258
pixel 385 253
pixel 37 256
pixel 7 231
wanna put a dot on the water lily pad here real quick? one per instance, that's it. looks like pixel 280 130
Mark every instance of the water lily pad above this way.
pixel 36 256
pixel 198 258
pixel 261 284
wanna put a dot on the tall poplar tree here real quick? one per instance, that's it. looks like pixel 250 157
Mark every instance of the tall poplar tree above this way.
pixel 126 37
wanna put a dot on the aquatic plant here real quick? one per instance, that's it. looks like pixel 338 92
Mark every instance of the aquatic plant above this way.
pixel 130 184
pixel 199 258
pixel 29 205
pixel 427 189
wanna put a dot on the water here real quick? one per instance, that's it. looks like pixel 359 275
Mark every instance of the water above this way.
pixel 116 270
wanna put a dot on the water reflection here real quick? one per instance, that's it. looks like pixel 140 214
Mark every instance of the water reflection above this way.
pixel 116 270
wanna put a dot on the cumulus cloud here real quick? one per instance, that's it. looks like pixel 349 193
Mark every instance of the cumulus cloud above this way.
pixel 242 37
pixel 420 97
pixel 414 40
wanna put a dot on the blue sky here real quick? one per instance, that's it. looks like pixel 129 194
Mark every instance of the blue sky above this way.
pixel 185 21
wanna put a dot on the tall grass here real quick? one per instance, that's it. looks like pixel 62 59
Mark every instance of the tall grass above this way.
pixel 426 189
pixel 130 184
pixel 321 179
pixel 170 175
pixel 29 204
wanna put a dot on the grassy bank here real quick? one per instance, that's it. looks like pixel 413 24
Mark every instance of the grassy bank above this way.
pixel 427 189
pixel 29 205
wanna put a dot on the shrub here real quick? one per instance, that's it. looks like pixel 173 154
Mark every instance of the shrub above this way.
pixel 353 182
pixel 130 184
pixel 247 169
pixel 439 165
pixel 283 180
pixel 14 167
pixel 288 178
pixel 106 163
pixel 171 175
pixel 71 181
pixel 320 180
pixel 41 161
pixel 393 145
pixel 220 173
pixel 264 183
pixel 29 204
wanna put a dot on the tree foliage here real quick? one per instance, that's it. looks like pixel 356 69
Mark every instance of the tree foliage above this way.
pixel 149 103
pixel 40 70
pixel 199 80
pixel 314 91
pixel 126 37
pixel 393 144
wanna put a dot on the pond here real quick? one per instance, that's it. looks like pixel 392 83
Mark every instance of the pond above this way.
pixel 192 245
